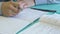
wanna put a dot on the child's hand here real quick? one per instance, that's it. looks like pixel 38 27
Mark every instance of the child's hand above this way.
pixel 10 8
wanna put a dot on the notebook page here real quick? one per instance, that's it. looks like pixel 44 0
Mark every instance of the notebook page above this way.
pixel 30 14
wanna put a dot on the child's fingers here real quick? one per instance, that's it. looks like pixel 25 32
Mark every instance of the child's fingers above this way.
pixel 23 5
pixel 12 8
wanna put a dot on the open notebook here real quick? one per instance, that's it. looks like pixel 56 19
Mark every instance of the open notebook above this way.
pixel 11 25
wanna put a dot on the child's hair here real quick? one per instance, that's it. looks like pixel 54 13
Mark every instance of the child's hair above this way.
pixel 6 0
